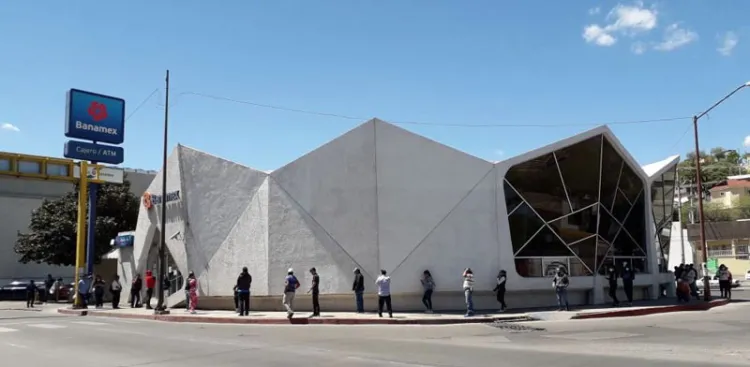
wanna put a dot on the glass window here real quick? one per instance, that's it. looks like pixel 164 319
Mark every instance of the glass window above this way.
pixel 621 207
pixel 551 265
pixel 29 167
pixel 612 165
pixel 579 167
pixel 5 164
pixel 586 251
pixel 545 192
pixel 624 245
pixel 576 226
pixel 578 269
pixel 545 243
pixel 608 226
pixel 512 200
pixel 54 169
pixel 635 225
pixel 524 224
pixel 529 267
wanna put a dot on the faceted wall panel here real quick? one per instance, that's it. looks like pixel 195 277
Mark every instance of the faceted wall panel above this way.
pixel 662 206
pixel 581 206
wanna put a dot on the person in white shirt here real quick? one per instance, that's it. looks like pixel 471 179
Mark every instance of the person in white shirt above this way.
pixel 468 286
pixel 115 288
pixel 384 293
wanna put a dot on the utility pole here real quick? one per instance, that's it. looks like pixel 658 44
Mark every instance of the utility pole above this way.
pixel 161 307
pixel 679 214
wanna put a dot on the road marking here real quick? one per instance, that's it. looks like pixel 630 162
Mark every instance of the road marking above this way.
pixel 6 330
pixel 387 362
pixel 90 323
pixel 47 326
pixel 594 335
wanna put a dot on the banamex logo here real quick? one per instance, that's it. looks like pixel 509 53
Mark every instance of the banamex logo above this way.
pixel 97 111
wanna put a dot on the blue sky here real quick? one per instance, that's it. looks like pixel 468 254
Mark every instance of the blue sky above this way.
pixel 518 63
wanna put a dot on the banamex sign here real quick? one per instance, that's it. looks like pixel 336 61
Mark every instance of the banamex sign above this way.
pixel 95 117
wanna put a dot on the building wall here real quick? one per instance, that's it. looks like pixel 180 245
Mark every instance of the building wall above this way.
pixel 377 197
pixel 18 198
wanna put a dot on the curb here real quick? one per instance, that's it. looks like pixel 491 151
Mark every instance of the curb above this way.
pixel 652 310
pixel 22 309
pixel 296 321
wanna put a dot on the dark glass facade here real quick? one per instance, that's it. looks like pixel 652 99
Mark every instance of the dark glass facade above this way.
pixel 579 207
pixel 662 204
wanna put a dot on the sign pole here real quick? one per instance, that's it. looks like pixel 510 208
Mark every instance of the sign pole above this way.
pixel 161 307
pixel 81 232
pixel 91 237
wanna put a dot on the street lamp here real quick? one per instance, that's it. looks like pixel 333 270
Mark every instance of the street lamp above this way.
pixel 699 188
pixel 161 307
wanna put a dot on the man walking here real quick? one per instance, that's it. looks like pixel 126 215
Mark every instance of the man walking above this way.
pixel 359 289
pixel 84 286
pixel 384 293
pixel 243 291
pixel 290 288
pixel 314 288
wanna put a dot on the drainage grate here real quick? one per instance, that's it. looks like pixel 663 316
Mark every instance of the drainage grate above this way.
pixel 514 327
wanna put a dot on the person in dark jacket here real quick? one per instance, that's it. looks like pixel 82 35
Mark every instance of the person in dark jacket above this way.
pixel 244 281
pixel 48 283
pixel 502 278
pixel 612 280
pixel 135 291
pixel 628 276
pixel 30 294
pixel 98 292
pixel 191 275
pixel 315 290
pixel 358 287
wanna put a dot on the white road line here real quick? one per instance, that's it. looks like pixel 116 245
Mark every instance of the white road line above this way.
pixel 381 362
pixel 47 326
pixel 90 323
pixel 6 330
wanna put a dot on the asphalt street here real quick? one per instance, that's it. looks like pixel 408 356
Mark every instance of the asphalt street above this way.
pixel 713 338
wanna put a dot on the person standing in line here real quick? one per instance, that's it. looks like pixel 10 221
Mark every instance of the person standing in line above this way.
pixel 428 284
pixel 502 278
pixel 725 281
pixel 48 284
pixel 84 287
pixel 150 284
pixel 358 287
pixel 244 281
pixel 193 291
pixel 612 279
pixel 115 288
pixel 384 293
pixel 691 276
pixel 290 289
pixel 561 283
pixel 98 292
pixel 468 287
pixel 628 276
pixel 315 289
pixel 135 291
pixel 236 299
pixel 55 291
pixel 187 290
pixel 30 294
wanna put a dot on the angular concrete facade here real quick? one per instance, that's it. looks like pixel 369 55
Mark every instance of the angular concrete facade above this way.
pixel 377 197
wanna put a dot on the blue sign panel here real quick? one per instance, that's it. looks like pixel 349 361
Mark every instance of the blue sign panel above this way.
pixel 94 152
pixel 124 240
pixel 95 117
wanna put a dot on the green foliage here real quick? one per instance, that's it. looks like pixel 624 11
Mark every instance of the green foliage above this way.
pixel 716 212
pixel 51 238
pixel 715 166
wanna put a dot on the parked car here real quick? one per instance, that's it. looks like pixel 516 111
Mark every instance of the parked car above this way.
pixel 16 290
pixel 747 275
pixel 715 282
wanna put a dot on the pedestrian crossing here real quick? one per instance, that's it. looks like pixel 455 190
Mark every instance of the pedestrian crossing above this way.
pixel 58 325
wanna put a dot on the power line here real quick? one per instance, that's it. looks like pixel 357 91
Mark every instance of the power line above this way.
pixel 141 104
pixel 347 117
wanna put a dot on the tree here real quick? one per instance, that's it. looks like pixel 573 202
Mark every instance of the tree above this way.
pixel 51 238
pixel 715 166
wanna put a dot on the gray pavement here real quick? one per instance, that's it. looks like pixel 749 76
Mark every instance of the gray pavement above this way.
pixel 713 338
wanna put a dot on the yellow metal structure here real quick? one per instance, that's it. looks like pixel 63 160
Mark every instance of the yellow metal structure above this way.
pixel 81 230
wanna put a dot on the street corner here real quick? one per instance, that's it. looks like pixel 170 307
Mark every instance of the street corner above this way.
pixel 644 311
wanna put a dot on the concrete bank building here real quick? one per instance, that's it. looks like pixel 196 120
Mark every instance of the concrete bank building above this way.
pixel 380 197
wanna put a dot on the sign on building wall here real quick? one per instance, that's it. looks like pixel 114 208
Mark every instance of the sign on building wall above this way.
pixel 149 200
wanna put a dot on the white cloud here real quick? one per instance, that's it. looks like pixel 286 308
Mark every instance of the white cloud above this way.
pixel 9 127
pixel 595 11
pixel 747 142
pixel 597 35
pixel 728 41
pixel 675 37
pixel 500 152
pixel 638 48
pixel 625 20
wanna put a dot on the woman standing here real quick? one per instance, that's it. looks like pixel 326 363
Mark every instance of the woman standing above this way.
pixel 98 292
pixel 429 286
pixel 193 291
pixel 468 286
pixel 502 277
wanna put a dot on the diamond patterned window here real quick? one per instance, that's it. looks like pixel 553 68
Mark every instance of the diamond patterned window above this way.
pixel 579 207
pixel 662 204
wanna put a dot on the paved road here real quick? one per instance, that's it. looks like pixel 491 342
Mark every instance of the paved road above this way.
pixel 714 338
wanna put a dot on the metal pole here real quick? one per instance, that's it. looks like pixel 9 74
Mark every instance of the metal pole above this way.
pixel 91 238
pixel 679 215
pixel 81 232
pixel 702 224
pixel 160 306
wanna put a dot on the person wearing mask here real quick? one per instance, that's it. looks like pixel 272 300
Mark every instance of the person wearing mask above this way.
pixel 628 277
pixel 244 281
pixel 358 287
pixel 116 289
pixel 98 292
pixel 499 290
pixel 150 284
pixel 135 291
pixel 315 290
pixel 55 291
pixel 187 291
pixel 48 284
pixel 290 289
pixel 691 276
pixel 612 280
pixel 193 292
pixel 468 287
pixel 30 294
pixel 384 293
pixel 725 281
pixel 84 287
pixel 428 285
pixel 560 283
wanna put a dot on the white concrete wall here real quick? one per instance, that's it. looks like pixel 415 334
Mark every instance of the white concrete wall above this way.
pixel 378 197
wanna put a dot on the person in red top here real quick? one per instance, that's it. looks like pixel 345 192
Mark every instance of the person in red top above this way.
pixel 150 284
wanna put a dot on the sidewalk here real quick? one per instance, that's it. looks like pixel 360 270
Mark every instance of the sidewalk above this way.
pixel 400 318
